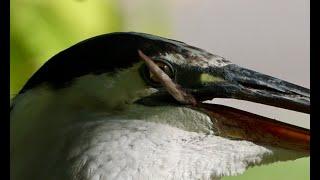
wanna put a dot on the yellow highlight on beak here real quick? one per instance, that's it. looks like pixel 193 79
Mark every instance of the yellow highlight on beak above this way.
pixel 207 78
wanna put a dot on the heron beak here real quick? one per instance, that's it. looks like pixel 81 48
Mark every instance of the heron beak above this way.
pixel 237 124
pixel 195 85
pixel 245 84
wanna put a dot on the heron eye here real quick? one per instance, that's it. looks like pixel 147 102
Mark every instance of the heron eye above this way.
pixel 152 78
pixel 165 68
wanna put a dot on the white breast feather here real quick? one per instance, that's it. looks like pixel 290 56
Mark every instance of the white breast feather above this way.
pixel 135 149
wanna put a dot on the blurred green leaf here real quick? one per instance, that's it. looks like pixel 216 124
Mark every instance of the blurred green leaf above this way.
pixel 40 29
pixel 293 170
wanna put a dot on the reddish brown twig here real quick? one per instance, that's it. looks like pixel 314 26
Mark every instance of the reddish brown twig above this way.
pixel 174 89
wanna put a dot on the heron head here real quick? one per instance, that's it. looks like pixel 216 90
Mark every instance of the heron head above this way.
pixel 154 71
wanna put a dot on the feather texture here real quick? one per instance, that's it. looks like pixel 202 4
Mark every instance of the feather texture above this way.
pixel 136 149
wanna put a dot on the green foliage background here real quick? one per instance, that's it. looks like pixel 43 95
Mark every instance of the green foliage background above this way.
pixel 39 29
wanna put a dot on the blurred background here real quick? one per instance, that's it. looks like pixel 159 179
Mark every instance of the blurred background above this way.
pixel 269 36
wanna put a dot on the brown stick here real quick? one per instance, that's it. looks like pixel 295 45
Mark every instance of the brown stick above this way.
pixel 174 89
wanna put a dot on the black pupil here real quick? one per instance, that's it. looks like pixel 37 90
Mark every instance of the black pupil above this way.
pixel 165 68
